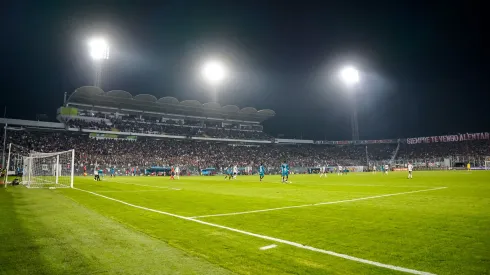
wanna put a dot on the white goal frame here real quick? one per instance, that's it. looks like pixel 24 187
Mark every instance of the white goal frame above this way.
pixel 487 163
pixel 31 177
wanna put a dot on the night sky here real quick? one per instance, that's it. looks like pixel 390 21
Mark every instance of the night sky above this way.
pixel 425 68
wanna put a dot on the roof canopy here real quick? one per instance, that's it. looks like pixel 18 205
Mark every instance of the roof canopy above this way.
pixel 170 105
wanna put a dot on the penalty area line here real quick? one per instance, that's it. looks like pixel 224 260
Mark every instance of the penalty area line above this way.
pixel 277 240
pixel 316 204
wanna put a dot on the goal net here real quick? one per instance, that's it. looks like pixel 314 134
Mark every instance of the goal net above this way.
pixel 48 169
pixel 40 170
pixel 487 163
pixel 14 162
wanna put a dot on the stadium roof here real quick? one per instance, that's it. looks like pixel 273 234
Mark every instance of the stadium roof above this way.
pixel 95 96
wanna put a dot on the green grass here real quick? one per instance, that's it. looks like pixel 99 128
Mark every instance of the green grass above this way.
pixel 68 231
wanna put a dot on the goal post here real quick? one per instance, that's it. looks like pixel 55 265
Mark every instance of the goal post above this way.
pixel 49 170
pixel 487 163
pixel 39 170
pixel 14 163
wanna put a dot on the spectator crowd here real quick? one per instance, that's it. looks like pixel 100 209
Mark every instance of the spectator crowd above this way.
pixel 145 152
pixel 475 148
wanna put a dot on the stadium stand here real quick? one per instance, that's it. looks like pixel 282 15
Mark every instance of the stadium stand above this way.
pixel 90 108
pixel 192 155
pixel 115 129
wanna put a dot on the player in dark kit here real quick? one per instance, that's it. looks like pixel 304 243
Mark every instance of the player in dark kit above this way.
pixel 225 171
pixel 285 172
pixel 261 171
pixel 229 173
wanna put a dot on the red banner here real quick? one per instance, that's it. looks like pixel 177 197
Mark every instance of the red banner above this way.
pixel 449 138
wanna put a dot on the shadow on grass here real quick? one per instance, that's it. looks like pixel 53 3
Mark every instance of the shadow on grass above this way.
pixel 19 253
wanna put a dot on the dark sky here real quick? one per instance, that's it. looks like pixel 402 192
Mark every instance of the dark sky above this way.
pixel 425 67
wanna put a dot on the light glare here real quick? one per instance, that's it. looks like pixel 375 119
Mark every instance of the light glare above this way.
pixel 99 49
pixel 214 72
pixel 349 75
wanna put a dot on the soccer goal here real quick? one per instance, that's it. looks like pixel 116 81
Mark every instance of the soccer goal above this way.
pixel 41 170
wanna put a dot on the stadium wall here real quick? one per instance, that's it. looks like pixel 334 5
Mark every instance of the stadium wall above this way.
pixel 295 141
pixel 31 123
pixel 124 133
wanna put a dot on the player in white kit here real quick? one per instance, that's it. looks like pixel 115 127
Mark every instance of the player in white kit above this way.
pixel 340 171
pixel 323 171
pixel 410 169
pixel 177 172
pixel 96 175
pixel 235 171
pixel 374 169
pixel 386 169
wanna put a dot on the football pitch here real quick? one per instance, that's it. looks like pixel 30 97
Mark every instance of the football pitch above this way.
pixel 361 223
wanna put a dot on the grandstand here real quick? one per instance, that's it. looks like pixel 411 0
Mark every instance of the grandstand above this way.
pixel 115 129
pixel 164 132
pixel 90 108
pixel 135 133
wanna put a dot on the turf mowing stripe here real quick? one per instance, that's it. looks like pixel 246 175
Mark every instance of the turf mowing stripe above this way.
pixel 135 191
pixel 298 245
pixel 163 187
pixel 315 204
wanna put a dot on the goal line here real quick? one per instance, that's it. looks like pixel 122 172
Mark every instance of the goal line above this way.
pixel 277 240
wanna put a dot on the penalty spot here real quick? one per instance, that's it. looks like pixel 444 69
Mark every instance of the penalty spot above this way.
pixel 268 247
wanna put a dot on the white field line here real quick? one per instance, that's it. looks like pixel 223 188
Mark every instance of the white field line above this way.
pixel 298 245
pixel 315 204
pixel 134 191
pixel 163 187
pixel 374 185
pixel 268 247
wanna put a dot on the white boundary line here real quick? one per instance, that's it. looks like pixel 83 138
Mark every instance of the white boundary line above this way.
pixel 315 204
pixel 375 185
pixel 344 256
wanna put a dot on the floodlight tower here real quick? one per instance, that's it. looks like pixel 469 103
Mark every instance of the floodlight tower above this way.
pixel 99 52
pixel 214 73
pixel 350 77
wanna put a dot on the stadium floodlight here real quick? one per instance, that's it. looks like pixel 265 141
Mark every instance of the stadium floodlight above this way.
pixel 99 51
pixel 350 77
pixel 214 72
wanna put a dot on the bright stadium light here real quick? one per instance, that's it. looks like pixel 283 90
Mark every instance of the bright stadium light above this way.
pixel 349 75
pixel 99 49
pixel 214 72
